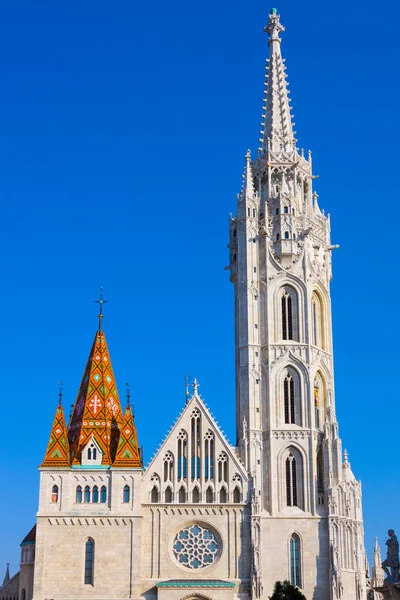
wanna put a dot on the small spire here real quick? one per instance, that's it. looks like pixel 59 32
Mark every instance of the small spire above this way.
pixel 60 393
pixel 196 386
pixel 187 380
pixel 346 458
pixel 7 575
pixel 100 301
pixel 249 182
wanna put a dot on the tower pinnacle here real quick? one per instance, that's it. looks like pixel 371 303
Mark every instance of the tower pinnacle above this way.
pixel 277 127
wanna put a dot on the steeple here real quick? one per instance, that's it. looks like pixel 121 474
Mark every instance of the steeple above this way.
pixel 248 186
pixel 378 574
pixel 57 453
pixel 128 454
pixel 7 575
pixel 97 410
pixel 277 127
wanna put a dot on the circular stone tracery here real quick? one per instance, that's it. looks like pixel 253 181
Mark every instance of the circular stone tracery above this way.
pixel 195 547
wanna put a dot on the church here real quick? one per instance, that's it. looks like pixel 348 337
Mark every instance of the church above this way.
pixel 205 519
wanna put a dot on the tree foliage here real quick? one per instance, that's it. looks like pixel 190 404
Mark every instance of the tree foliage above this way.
pixel 286 591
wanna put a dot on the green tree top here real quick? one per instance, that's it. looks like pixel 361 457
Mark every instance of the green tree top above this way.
pixel 286 591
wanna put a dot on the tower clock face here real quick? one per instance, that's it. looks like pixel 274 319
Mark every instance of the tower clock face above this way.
pixel 195 547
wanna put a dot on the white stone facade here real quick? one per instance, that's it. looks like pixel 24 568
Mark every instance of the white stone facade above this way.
pixel 205 519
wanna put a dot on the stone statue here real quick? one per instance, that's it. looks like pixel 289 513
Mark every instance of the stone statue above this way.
pixel 392 559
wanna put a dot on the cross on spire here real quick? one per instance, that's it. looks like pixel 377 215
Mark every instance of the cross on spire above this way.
pixel 100 301
pixel 187 380
pixel 60 393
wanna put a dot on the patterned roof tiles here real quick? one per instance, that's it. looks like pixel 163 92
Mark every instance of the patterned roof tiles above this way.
pixel 57 453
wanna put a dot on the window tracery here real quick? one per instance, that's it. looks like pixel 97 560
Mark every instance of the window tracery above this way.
pixel 195 444
pixel 169 467
pixel 195 547
pixel 223 467
pixel 289 314
pixel 182 455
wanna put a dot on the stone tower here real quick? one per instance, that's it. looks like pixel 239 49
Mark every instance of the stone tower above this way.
pixel 306 504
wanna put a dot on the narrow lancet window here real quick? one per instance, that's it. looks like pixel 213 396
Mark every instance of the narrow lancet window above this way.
pixel 289 399
pixel 78 497
pixel 126 494
pixel 295 563
pixel 95 494
pixel 54 493
pixel 103 494
pixel 87 494
pixel 291 481
pixel 89 562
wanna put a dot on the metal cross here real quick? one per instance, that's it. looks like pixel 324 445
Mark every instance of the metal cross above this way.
pixel 100 302
pixel 187 379
pixel 60 393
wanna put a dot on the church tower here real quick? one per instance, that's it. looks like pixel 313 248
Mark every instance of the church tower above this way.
pixel 306 504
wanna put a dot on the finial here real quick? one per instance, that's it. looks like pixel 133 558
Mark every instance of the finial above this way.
pixel 100 302
pixel 274 27
pixel 248 156
pixel 128 394
pixel 346 458
pixel 187 379
pixel 60 393
pixel 196 386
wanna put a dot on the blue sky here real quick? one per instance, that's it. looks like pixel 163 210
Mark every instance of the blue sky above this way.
pixel 123 128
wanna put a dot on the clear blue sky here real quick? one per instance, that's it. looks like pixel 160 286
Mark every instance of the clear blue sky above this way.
pixel 122 136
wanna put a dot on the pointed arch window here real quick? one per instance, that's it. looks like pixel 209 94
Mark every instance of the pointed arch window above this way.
pixel 195 444
pixel 223 467
pixel 86 497
pixel 78 497
pixel 289 399
pixel 182 455
pixel 291 481
pixel 169 467
pixel 295 560
pixel 317 321
pixel 95 494
pixel 209 495
pixel 209 455
pixel 89 562
pixel 236 495
pixel 168 495
pixel 154 495
pixel 126 494
pixel 320 472
pixel 196 495
pixel 54 493
pixel 103 494
pixel 182 495
pixel 223 496
pixel 286 235
pixel 289 314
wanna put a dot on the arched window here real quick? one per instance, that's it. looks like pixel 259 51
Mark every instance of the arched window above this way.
pixel 54 493
pixel 103 494
pixel 94 453
pixel 278 237
pixel 168 495
pixel 209 495
pixel 196 495
pixel 95 494
pixel 89 562
pixel 289 314
pixel 317 321
pixel 78 497
pixel 209 455
pixel 223 467
pixel 89 454
pixel 286 235
pixel 182 455
pixel 154 494
pixel 195 444
pixel 127 494
pixel 23 594
pixel 319 401
pixel 222 495
pixel 182 495
pixel 294 236
pixel 293 477
pixel 168 467
pixel 295 560
pixel 87 494
pixel 236 495
pixel 291 481
pixel 291 397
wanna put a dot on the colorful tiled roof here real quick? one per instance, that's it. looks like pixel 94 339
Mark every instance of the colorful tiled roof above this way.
pixel 57 453
pixel 97 410
pixel 128 449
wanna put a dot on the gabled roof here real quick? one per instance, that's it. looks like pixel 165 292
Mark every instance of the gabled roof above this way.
pixel 97 410
pixel 57 453
pixel 208 422
pixel 128 448
pixel 30 537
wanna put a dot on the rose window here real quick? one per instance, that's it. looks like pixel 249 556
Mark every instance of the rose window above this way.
pixel 195 547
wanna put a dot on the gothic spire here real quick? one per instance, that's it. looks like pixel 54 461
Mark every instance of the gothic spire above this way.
pixel 248 177
pixel 128 454
pixel 57 453
pixel 378 574
pixel 97 410
pixel 7 575
pixel 277 127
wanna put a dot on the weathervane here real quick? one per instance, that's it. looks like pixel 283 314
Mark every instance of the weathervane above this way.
pixel 128 395
pixel 100 302
pixel 60 393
